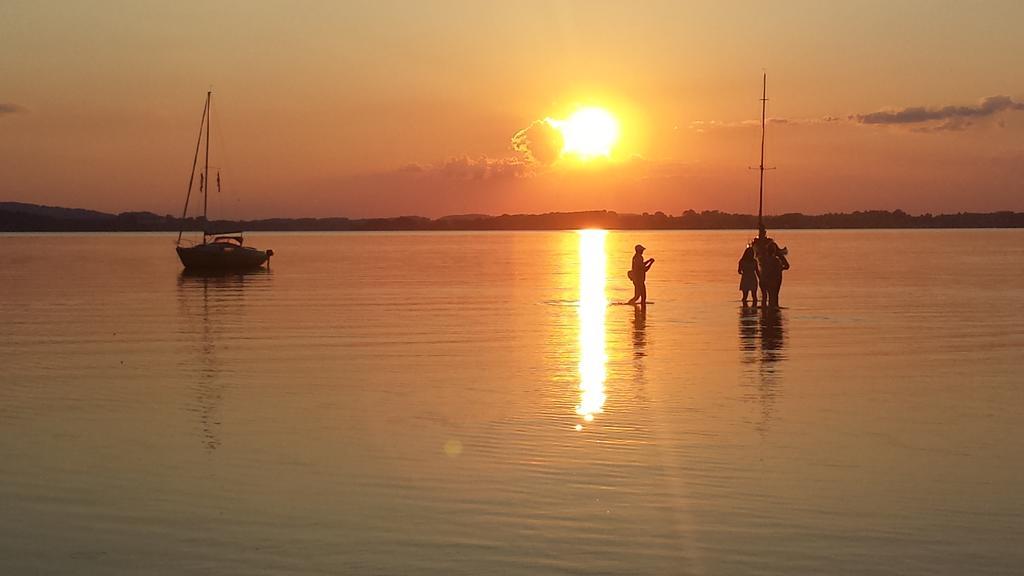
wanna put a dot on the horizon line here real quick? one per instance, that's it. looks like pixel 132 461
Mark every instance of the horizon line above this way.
pixel 480 215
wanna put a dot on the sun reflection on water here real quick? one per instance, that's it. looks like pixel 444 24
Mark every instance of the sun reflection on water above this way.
pixel 592 308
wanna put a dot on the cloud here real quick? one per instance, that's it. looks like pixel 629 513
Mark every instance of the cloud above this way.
pixel 482 168
pixel 467 168
pixel 9 108
pixel 701 126
pixel 944 118
pixel 467 184
pixel 915 118
pixel 540 142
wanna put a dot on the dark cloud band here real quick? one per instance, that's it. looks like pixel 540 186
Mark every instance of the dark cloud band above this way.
pixel 8 108
pixel 954 116
pixel 916 118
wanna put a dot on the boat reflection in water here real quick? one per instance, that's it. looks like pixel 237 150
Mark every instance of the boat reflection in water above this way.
pixel 212 305
pixel 592 308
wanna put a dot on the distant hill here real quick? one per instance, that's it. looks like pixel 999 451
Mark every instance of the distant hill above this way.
pixel 463 217
pixel 52 211
pixel 21 217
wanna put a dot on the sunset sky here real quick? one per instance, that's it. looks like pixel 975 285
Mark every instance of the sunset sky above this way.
pixel 391 108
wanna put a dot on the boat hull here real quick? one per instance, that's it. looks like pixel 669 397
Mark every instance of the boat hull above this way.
pixel 222 256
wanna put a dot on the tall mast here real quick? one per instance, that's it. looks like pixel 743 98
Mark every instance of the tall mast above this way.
pixel 195 159
pixel 760 201
pixel 206 168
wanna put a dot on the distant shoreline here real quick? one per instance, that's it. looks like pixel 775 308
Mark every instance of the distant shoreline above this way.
pixel 22 217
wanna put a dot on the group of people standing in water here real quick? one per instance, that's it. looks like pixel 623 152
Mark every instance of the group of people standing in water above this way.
pixel 761 266
pixel 760 269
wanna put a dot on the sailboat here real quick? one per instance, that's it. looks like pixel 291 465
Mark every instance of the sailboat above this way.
pixel 219 251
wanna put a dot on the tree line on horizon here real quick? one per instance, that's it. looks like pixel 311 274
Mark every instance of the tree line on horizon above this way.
pixel 19 217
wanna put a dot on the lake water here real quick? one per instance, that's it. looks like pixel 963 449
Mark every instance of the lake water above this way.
pixel 475 403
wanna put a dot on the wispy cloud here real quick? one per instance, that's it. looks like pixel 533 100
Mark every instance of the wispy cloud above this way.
pixel 944 118
pixel 469 168
pixel 916 118
pixel 9 108
pixel 704 125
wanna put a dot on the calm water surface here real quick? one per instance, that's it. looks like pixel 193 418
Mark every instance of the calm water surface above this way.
pixel 476 403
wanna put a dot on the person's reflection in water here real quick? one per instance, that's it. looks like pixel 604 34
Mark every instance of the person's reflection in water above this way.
pixel 639 354
pixel 762 340
pixel 639 332
pixel 748 334
pixel 773 337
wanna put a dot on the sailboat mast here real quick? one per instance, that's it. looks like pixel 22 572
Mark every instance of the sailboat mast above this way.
pixel 760 201
pixel 195 160
pixel 206 167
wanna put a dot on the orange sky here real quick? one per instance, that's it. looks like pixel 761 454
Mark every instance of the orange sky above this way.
pixel 388 108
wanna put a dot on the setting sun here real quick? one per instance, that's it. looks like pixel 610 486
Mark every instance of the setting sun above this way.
pixel 588 133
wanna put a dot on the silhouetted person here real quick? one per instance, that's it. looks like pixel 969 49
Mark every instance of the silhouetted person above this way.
pixel 638 274
pixel 780 253
pixel 747 269
pixel 771 261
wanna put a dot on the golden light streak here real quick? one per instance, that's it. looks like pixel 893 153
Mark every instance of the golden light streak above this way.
pixel 592 308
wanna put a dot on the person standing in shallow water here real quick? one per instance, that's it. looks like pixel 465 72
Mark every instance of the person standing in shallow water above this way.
pixel 747 269
pixel 638 274
pixel 771 262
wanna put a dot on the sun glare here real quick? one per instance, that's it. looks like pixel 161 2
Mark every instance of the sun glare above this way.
pixel 588 133
pixel 592 308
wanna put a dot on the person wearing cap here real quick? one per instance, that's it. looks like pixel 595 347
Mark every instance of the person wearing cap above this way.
pixel 638 274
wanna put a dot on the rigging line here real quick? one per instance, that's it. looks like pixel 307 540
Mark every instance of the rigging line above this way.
pixel 206 191
pixel 192 175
